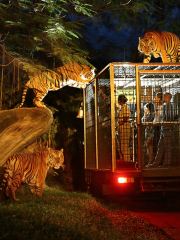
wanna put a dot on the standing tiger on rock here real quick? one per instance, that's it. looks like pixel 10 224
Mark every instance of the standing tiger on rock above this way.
pixel 30 168
pixel 160 44
pixel 74 75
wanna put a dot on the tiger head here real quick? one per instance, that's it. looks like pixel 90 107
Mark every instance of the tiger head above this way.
pixel 56 158
pixel 147 45
pixel 87 73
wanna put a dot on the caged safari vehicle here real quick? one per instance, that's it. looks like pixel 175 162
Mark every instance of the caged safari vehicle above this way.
pixel 108 168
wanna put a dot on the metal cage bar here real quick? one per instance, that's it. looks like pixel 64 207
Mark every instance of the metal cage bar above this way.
pixel 96 131
pixel 138 95
pixel 143 81
pixel 113 118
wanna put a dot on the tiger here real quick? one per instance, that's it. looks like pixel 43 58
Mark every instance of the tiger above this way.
pixel 160 44
pixel 74 75
pixel 30 168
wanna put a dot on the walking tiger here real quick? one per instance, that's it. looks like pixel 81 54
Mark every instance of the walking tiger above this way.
pixel 30 168
pixel 160 44
pixel 74 75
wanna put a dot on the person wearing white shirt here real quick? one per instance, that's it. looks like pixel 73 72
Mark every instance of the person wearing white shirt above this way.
pixel 124 128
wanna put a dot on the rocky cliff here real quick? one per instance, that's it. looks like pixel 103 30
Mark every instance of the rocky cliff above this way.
pixel 21 127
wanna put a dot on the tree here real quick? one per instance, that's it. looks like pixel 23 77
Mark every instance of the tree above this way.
pixel 47 33
pixel 50 29
pixel 37 29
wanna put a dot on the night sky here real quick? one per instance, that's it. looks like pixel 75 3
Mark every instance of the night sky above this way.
pixel 106 43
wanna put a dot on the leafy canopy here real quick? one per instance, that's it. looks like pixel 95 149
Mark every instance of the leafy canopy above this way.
pixel 50 29
pixel 33 29
pixel 41 32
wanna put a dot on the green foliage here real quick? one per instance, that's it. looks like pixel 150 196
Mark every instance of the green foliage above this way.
pixel 83 8
pixel 29 27
pixel 50 29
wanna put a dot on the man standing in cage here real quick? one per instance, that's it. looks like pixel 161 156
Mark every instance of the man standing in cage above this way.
pixel 149 132
pixel 124 128
pixel 163 156
pixel 158 131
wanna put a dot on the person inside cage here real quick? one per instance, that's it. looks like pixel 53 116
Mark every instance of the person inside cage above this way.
pixel 167 130
pixel 149 132
pixel 124 128
pixel 159 115
pixel 163 155
pixel 158 118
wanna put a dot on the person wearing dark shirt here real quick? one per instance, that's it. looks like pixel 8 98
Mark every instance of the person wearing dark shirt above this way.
pixel 163 156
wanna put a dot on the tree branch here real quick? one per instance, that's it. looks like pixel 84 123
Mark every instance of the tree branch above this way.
pixel 125 3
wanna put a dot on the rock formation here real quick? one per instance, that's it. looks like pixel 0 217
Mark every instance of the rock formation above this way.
pixel 20 127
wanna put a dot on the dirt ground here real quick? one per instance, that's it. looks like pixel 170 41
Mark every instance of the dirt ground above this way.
pixel 161 210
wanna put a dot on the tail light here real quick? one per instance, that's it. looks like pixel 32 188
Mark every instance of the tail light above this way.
pixel 125 180
pixel 122 180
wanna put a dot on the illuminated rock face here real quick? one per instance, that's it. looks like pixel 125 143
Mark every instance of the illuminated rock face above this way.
pixel 21 127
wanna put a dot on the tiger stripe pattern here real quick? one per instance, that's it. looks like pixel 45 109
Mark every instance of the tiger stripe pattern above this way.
pixel 30 168
pixel 160 44
pixel 73 75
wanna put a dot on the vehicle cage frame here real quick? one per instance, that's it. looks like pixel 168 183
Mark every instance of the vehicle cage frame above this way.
pixel 140 83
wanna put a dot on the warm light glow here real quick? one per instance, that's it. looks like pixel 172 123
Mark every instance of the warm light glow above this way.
pixel 122 180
